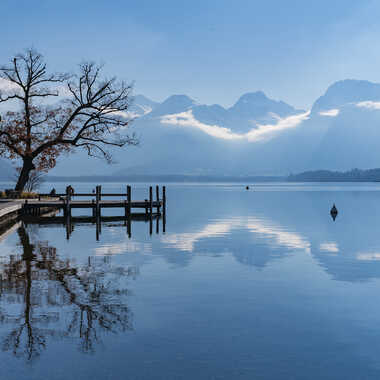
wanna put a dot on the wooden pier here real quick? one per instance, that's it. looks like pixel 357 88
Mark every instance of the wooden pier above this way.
pixel 44 209
pixel 152 207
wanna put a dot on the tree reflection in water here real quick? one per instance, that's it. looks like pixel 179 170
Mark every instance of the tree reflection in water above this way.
pixel 43 296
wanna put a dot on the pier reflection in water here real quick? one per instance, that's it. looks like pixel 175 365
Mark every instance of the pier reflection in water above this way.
pixel 43 297
pixel 69 222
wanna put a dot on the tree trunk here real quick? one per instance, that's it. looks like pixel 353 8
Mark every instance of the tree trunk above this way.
pixel 23 178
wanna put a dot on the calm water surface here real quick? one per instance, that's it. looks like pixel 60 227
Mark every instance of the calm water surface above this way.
pixel 258 284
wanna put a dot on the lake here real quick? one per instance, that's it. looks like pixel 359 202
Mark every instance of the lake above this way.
pixel 257 284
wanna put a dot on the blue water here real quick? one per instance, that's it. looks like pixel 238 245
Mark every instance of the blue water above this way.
pixel 258 284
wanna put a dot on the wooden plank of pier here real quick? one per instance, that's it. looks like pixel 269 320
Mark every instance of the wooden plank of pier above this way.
pixel 89 204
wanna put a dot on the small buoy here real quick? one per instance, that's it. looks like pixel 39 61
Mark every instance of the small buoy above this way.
pixel 333 211
pixel 247 187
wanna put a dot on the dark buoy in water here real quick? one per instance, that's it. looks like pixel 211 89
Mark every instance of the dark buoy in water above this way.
pixel 334 212
pixel 247 187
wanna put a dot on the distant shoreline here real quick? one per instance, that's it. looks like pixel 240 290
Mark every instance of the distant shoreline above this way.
pixel 164 178
pixel 354 175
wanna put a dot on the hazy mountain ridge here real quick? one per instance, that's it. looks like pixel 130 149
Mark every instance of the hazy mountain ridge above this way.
pixel 345 92
pixel 248 111
pixel 354 175
pixel 255 136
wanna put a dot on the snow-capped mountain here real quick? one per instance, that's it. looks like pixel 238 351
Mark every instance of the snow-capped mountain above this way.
pixel 141 105
pixel 255 136
pixel 346 92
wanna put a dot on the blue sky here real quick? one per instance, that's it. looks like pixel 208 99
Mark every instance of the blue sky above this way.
pixel 213 51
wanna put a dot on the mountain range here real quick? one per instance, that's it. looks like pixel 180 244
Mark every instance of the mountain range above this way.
pixel 255 136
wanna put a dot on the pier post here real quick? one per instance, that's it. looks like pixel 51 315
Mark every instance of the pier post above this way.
pixel 150 201
pixel 163 209
pixel 164 200
pixel 98 190
pixel 129 230
pixel 150 210
pixel 97 228
pixel 67 230
pixel 93 208
pixel 129 197
pixel 68 212
pixel 158 199
pixel 98 216
pixel 68 199
pixel 128 211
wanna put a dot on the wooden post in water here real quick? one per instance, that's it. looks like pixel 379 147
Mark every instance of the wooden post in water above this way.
pixel 129 198
pixel 158 199
pixel 150 201
pixel 67 230
pixel 93 208
pixel 129 228
pixel 163 209
pixel 164 200
pixel 98 222
pixel 150 210
pixel 65 203
pixel 68 212
pixel 98 201
pixel 97 228
pixel 68 198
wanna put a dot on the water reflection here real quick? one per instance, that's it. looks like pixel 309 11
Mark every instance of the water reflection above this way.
pixel 341 248
pixel 347 252
pixel 329 247
pixel 69 222
pixel 265 268
pixel 253 240
pixel 44 297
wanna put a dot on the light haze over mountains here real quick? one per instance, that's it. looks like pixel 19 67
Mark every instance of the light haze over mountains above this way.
pixel 255 136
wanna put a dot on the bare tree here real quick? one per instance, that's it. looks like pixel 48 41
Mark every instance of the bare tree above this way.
pixel 93 114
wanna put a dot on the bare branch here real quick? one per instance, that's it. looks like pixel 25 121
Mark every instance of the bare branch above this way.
pixel 92 117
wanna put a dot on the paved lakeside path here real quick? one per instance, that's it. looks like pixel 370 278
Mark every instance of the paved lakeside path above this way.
pixel 9 207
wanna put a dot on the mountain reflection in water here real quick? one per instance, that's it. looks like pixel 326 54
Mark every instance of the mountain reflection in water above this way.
pixel 242 285
pixel 44 297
